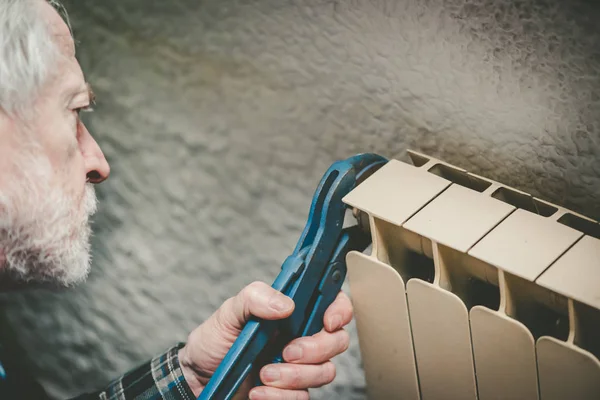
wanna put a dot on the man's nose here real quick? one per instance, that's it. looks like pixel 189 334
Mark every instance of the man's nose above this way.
pixel 96 166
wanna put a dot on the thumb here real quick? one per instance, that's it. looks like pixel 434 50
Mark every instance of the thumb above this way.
pixel 210 342
pixel 257 299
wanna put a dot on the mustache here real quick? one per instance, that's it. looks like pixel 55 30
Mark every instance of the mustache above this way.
pixel 90 200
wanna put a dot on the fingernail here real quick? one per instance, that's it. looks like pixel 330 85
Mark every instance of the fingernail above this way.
pixel 292 353
pixel 271 374
pixel 279 304
pixel 335 322
pixel 256 394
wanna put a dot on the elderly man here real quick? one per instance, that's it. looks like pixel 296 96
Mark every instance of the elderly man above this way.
pixel 49 163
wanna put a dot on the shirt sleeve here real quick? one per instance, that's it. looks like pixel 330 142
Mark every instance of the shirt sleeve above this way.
pixel 160 378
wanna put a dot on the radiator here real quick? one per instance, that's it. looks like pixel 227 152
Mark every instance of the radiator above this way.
pixel 473 289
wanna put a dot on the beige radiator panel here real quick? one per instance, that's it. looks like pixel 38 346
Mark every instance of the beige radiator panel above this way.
pixel 504 352
pixel 383 327
pixel 384 194
pixel 458 217
pixel 440 326
pixel 525 244
pixel 487 317
pixel 566 371
pixel 577 273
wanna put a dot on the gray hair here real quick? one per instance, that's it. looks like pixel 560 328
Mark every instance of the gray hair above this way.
pixel 27 52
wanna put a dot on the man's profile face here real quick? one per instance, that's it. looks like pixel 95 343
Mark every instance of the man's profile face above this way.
pixel 49 163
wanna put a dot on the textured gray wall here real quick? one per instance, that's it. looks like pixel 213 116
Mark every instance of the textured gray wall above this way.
pixel 219 117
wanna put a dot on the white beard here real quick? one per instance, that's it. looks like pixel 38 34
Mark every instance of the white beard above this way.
pixel 44 233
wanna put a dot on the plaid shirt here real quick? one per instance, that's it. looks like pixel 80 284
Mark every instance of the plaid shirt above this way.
pixel 161 378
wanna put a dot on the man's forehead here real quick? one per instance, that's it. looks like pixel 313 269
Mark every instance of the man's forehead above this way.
pixel 59 30
pixel 71 80
pixel 66 45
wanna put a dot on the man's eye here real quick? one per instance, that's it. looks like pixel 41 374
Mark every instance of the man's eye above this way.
pixel 79 110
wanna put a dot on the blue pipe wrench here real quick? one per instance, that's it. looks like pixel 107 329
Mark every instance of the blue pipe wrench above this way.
pixel 312 276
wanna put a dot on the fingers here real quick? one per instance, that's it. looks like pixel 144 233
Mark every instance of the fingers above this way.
pixel 339 313
pixel 316 349
pixel 269 393
pixel 262 301
pixel 257 299
pixel 298 377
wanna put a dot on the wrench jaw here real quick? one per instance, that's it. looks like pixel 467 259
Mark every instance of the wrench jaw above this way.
pixel 352 239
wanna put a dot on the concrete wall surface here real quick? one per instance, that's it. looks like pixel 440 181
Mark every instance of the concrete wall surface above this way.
pixel 220 116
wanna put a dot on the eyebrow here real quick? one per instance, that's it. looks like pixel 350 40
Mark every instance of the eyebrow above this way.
pixel 91 93
pixel 75 91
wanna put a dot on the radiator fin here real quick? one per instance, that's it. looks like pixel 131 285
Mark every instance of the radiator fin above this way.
pixel 383 328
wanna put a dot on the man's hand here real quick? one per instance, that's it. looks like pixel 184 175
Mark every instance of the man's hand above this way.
pixel 307 359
